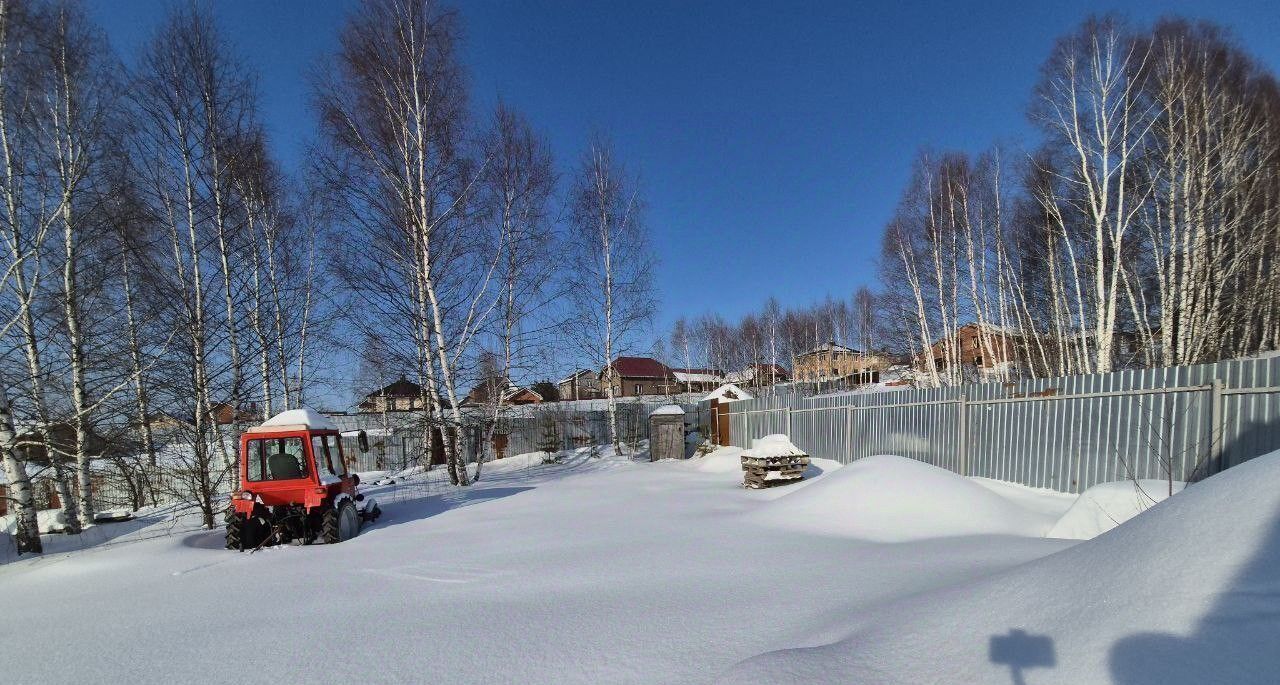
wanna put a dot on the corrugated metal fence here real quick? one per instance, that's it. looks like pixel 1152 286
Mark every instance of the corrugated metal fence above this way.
pixel 1062 433
pixel 395 442
pixel 527 428
pixel 534 428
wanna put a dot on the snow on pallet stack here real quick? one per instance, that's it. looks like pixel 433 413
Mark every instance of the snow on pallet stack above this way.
pixel 773 460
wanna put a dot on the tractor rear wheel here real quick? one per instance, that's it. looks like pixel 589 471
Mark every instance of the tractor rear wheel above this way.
pixel 243 532
pixel 340 523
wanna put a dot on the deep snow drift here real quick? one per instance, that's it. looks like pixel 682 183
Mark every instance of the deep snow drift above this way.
pixel 614 570
pixel 595 571
pixel 1107 505
pixel 894 499
pixel 1187 593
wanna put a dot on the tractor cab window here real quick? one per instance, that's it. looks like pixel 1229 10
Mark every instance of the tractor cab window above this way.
pixel 328 458
pixel 275 459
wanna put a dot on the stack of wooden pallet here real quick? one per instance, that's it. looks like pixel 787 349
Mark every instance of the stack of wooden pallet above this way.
pixel 773 460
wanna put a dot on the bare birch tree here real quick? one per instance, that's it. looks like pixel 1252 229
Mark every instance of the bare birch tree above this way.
pixel 23 241
pixel 610 262
pixel 79 94
pixel 191 102
pixel 680 346
pixel 515 194
pixel 1091 105
pixel 393 115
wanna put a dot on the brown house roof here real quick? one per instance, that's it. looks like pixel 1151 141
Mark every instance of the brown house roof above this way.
pixel 577 374
pixel 766 369
pixel 401 388
pixel 523 396
pixel 640 367
pixel 516 394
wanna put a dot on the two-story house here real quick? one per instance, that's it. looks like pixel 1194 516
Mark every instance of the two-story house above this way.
pixel 831 361
pixel 987 349
pixel 583 384
pixel 635 376
pixel 402 395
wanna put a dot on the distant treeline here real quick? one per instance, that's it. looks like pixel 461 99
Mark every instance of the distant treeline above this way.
pixel 1143 230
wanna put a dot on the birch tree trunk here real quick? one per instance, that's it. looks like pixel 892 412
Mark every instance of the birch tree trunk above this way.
pixel 22 502
pixel 22 245
pixel 135 358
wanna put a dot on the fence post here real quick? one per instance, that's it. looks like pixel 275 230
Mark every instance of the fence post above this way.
pixel 1215 427
pixel 962 435
pixel 848 431
pixel 788 421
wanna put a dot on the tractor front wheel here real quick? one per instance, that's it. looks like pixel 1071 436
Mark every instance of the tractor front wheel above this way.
pixel 340 523
pixel 243 532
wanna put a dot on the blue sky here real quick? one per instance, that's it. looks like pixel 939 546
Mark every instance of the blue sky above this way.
pixel 771 139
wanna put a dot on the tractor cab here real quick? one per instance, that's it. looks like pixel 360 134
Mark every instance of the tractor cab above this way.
pixel 294 485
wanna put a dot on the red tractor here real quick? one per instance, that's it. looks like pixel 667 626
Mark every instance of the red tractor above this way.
pixel 294 485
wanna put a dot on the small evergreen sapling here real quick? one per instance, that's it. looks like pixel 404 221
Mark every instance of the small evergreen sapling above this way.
pixel 549 442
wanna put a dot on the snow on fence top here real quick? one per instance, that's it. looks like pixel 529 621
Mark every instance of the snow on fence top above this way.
pixel 667 410
pixel 304 416
pixel 776 445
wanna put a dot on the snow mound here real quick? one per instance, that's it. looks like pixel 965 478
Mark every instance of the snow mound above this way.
pixel 893 499
pixel 772 446
pixel 1107 505
pixel 303 416
pixel 1049 503
pixel 722 460
pixel 668 410
pixel 1186 593
pixel 49 521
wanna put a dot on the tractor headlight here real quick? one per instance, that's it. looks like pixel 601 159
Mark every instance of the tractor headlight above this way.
pixel 246 495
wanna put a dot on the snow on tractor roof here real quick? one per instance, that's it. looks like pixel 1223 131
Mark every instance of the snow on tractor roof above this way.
pixel 304 417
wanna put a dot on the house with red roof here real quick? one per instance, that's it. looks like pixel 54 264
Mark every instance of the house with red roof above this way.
pixel 488 392
pixel 635 376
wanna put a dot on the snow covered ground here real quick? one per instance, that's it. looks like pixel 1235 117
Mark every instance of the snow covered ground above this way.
pixel 614 570
pixel 1186 593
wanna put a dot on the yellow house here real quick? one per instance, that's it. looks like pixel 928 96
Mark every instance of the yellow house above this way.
pixel 830 361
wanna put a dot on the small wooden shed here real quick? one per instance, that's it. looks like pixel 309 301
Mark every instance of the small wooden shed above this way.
pixel 666 433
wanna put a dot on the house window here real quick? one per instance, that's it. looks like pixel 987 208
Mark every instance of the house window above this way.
pixel 637 391
pixel 977 361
